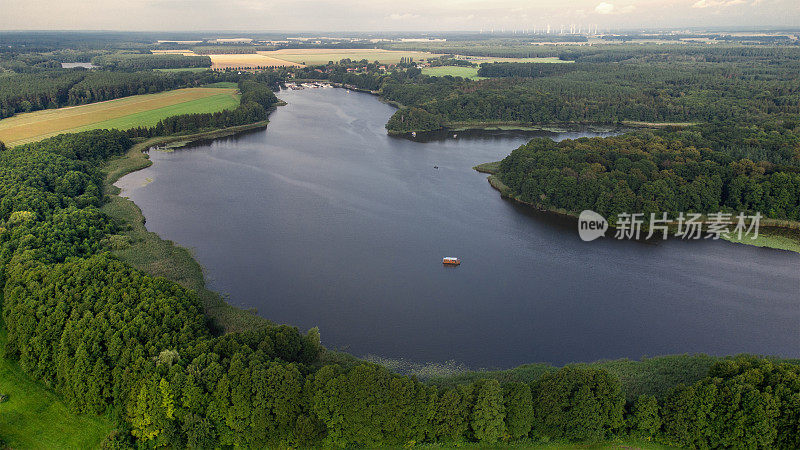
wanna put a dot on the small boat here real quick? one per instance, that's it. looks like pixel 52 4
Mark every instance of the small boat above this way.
pixel 451 261
pixel 455 136
pixel 413 134
pixel 436 167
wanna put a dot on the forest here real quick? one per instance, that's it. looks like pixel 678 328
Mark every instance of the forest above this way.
pixel 654 172
pixel 607 93
pixel 138 61
pixel 113 340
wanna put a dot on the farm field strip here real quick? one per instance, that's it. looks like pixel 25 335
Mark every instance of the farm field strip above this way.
pixel 128 112
pixel 323 55
pixel 223 61
pixel 455 71
pixel 302 57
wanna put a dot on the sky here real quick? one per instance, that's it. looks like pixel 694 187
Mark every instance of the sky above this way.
pixel 394 15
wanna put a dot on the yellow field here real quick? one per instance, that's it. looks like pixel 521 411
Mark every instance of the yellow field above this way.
pixel 128 112
pixel 248 60
pixel 303 57
pixel 314 56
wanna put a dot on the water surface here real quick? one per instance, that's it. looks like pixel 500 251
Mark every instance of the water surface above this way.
pixel 324 220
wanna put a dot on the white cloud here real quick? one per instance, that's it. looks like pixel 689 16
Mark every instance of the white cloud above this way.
pixel 717 3
pixel 607 8
pixel 406 16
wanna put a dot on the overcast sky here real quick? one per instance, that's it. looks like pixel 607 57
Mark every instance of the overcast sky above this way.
pixel 384 15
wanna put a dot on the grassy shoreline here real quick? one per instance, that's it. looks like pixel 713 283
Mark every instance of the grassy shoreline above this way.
pixel 773 233
pixel 148 252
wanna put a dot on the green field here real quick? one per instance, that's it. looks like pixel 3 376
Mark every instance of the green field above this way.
pixel 222 85
pixel 455 71
pixel 149 118
pixel 185 69
pixel 33 417
pixel 122 113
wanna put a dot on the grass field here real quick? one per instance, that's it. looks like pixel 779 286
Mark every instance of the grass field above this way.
pixel 456 71
pixel 123 113
pixel 33 417
pixel 185 69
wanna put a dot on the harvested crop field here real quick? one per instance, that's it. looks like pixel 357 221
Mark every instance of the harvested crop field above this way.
pixel 315 56
pixel 248 61
pixel 122 113
pixel 302 57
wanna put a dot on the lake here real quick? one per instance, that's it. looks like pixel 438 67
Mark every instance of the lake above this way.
pixel 324 220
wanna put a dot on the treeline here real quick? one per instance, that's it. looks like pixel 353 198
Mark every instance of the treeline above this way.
pixel 254 106
pixel 110 339
pixel 609 93
pixel 407 120
pixel 521 48
pixel 54 89
pixel 667 171
pixel 136 61
pixel 367 81
pixel 215 49
pixel 524 70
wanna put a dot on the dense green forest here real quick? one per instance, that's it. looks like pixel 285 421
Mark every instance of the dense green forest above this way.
pixel 136 61
pixel 651 172
pixel 524 70
pixel 609 93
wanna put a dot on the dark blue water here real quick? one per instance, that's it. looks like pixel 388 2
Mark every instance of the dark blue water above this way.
pixel 323 220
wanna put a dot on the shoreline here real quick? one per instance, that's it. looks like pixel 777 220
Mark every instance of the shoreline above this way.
pixel 557 127
pixel 774 234
pixel 148 252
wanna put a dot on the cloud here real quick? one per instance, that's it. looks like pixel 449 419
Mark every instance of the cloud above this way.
pixel 607 8
pixel 406 16
pixel 717 3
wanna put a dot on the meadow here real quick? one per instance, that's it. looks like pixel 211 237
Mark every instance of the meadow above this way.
pixel 33 417
pixel 455 71
pixel 184 69
pixel 123 113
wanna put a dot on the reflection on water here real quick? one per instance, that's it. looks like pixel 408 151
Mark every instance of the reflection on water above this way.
pixel 324 220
